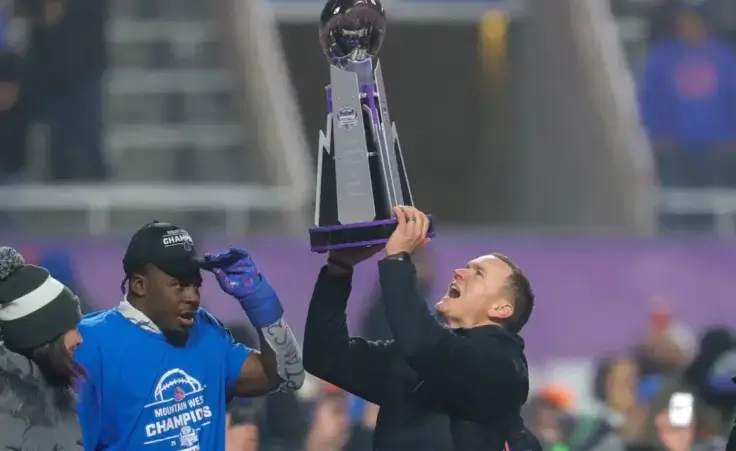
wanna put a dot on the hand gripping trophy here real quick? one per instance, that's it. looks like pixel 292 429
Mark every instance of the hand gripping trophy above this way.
pixel 360 167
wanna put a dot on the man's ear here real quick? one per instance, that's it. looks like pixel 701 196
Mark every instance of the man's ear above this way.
pixel 501 310
pixel 138 285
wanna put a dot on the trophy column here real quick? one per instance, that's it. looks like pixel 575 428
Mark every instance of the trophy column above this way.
pixel 361 173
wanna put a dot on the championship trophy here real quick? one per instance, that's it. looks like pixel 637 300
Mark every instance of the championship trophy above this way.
pixel 360 167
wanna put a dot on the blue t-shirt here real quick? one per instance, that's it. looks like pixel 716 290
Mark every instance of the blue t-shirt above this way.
pixel 142 393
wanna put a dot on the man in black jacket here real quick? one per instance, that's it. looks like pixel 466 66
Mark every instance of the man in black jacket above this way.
pixel 473 371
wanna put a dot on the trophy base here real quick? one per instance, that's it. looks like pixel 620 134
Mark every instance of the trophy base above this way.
pixel 361 234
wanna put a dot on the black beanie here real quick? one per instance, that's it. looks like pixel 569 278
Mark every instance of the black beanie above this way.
pixel 35 308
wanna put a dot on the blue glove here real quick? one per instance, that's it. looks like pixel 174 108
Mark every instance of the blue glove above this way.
pixel 238 276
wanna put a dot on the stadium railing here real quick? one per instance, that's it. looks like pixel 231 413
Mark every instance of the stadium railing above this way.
pixel 719 202
pixel 98 202
pixel 268 89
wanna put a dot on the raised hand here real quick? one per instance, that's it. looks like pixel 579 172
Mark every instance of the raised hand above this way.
pixel 411 232
pixel 235 271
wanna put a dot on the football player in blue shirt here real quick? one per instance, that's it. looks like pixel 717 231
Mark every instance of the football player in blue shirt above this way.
pixel 160 369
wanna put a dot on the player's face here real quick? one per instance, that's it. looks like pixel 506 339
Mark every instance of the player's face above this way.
pixel 172 300
pixel 477 293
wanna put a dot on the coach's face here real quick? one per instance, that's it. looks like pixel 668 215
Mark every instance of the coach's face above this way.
pixel 478 293
pixel 172 301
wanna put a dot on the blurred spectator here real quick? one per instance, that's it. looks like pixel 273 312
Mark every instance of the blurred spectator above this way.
pixel 242 423
pixel 242 429
pixel 68 60
pixel 660 20
pixel 662 16
pixel 711 371
pixel 284 423
pixel 688 102
pixel 13 120
pixel 330 428
pixel 671 437
pixel 546 416
pixel 667 346
pixel 706 433
pixel 713 406
pixel 361 437
pixel 549 416
pixel 616 389
pixel 276 422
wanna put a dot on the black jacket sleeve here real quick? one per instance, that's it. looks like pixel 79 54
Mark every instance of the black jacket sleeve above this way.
pixel 353 364
pixel 731 443
pixel 480 380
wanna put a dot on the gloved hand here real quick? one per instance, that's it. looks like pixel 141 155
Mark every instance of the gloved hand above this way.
pixel 237 275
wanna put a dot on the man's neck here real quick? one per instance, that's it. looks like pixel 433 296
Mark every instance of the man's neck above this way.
pixel 460 324
pixel 131 309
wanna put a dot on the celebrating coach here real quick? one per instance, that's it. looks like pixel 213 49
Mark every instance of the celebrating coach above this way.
pixel 474 371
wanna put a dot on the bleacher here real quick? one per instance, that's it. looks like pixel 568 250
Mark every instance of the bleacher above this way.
pixel 170 94
pixel 180 137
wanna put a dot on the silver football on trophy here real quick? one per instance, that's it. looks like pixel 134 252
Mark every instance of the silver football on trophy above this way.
pixel 351 30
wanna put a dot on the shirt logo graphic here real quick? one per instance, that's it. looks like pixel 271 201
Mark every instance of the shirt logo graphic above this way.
pixel 180 411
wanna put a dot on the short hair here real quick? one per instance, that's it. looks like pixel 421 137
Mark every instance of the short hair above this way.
pixel 522 295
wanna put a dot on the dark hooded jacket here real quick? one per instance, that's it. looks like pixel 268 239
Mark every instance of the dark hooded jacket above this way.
pixel 33 415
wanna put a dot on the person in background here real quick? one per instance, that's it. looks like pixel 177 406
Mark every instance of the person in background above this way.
pixel 38 323
pixel 330 428
pixel 711 371
pixel 241 425
pixel 68 59
pixel 277 422
pixel 667 346
pixel 361 436
pixel 616 389
pixel 731 441
pixel 548 417
pixel 688 104
pixel 14 120
pixel 706 379
pixel 660 19
pixel 284 422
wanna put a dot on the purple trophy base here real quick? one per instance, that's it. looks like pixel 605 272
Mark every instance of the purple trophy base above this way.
pixel 361 234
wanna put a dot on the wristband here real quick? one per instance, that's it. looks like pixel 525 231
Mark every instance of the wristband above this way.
pixel 262 306
pixel 340 265
pixel 401 256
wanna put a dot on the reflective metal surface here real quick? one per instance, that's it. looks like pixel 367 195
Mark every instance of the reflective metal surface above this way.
pixel 351 30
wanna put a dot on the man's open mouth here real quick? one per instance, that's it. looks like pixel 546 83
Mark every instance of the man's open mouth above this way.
pixel 453 292
pixel 187 318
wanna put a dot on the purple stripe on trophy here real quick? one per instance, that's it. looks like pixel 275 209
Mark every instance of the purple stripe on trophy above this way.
pixel 370 97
